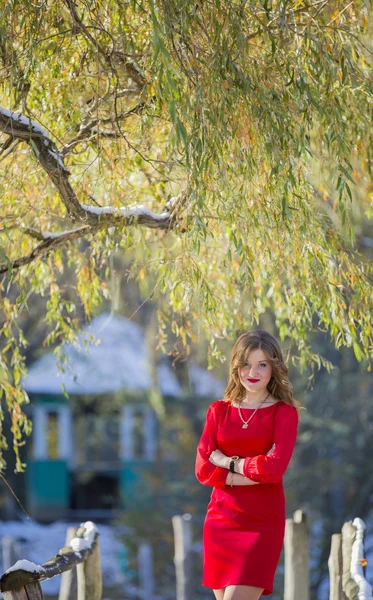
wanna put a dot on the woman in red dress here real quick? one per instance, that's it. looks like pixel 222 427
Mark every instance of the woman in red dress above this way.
pixel 244 450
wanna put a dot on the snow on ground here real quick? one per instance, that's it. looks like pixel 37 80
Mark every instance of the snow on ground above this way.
pixel 40 542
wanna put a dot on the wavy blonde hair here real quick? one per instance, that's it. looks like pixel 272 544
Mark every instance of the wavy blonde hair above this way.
pixel 279 385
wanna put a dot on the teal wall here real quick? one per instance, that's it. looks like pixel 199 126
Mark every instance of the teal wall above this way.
pixel 48 487
pixel 48 399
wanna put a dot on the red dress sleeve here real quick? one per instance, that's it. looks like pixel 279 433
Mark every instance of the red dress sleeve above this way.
pixel 271 468
pixel 205 471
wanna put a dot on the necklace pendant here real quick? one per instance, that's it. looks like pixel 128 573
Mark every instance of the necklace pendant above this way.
pixel 245 426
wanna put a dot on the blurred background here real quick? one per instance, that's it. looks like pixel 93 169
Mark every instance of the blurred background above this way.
pixel 115 429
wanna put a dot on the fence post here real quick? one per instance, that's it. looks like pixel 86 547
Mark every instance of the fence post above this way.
pixel 335 565
pixel 31 591
pixel 296 557
pixel 88 573
pixel 183 556
pixel 145 568
pixel 68 578
pixel 93 574
pixel 349 586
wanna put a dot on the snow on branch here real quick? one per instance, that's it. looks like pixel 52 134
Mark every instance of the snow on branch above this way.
pixel 26 565
pixel 20 124
pixel 86 542
pixel 51 235
pixel 138 210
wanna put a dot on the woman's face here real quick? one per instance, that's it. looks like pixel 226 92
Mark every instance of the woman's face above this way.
pixel 256 372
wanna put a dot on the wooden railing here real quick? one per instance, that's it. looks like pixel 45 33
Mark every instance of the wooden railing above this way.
pixel 346 565
pixel 22 580
pixel 346 562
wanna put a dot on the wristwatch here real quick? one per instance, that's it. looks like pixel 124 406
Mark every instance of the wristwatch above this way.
pixel 233 461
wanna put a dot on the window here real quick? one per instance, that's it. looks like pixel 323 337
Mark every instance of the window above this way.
pixel 138 433
pixel 52 432
pixel 96 438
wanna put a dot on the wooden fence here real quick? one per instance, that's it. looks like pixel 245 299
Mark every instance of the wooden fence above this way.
pixel 346 562
pixel 22 580
pixel 346 565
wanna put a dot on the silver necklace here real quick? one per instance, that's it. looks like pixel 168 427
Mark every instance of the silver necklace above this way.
pixel 246 423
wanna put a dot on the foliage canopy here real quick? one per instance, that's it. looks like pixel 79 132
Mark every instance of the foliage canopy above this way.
pixel 224 145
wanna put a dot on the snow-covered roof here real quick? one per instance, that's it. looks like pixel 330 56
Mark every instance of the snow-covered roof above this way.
pixel 119 361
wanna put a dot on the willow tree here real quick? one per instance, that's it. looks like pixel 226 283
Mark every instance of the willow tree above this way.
pixel 224 145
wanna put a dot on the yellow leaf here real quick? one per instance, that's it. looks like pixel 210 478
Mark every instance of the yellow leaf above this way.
pixel 183 335
pixel 365 21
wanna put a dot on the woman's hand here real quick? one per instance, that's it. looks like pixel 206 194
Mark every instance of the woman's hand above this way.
pixel 219 459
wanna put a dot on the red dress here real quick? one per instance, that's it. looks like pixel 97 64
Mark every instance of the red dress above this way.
pixel 244 526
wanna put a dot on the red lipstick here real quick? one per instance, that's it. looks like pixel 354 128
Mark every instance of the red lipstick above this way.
pixel 253 380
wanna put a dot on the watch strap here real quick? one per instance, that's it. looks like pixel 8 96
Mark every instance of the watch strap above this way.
pixel 233 461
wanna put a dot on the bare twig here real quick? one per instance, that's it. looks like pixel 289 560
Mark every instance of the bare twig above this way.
pixel 72 8
pixel 8 147
pixel 92 127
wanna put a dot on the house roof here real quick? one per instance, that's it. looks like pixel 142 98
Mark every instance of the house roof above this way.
pixel 117 359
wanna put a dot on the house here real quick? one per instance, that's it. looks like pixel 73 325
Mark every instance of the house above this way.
pixel 95 425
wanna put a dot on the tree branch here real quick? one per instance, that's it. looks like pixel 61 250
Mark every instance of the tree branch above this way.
pixel 8 147
pixel 92 128
pixel 77 21
pixel 51 241
pixel 109 58
pixel 22 128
